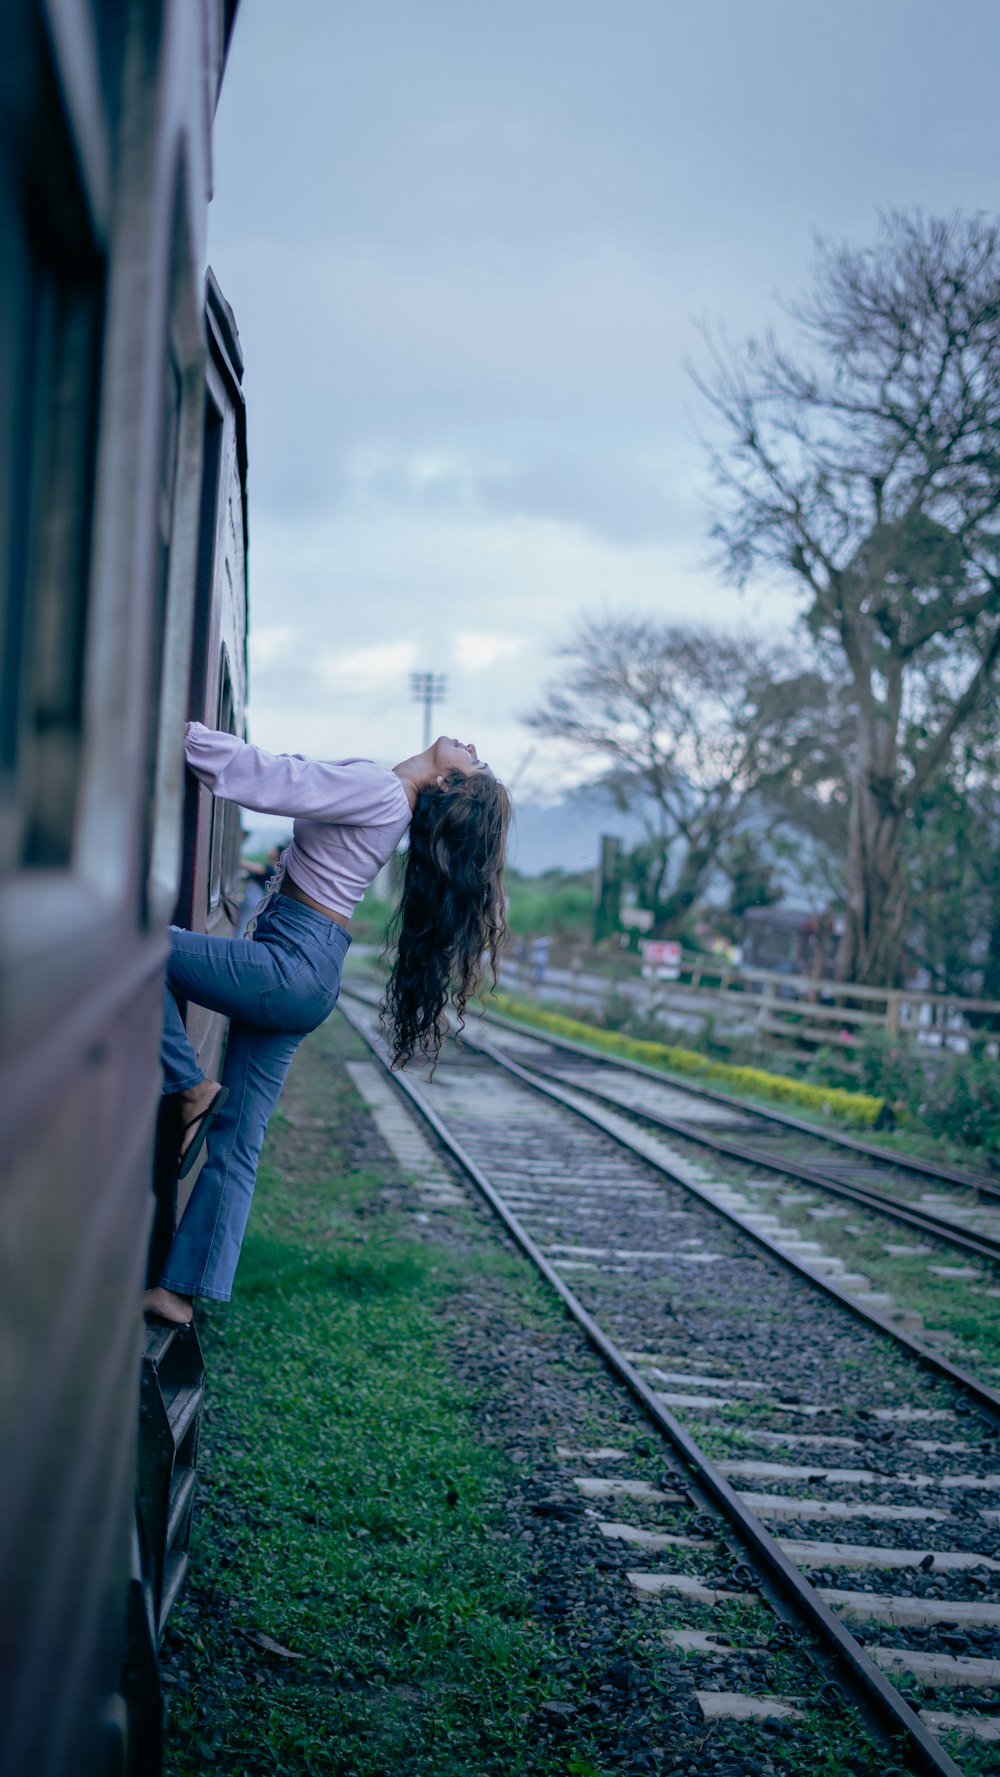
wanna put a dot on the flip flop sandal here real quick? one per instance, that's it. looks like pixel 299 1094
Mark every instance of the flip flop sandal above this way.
pixel 200 1136
pixel 153 1319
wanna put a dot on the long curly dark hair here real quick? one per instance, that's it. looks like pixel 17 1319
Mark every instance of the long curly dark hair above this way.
pixel 452 913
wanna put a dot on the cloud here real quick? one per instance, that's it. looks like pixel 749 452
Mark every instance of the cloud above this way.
pixel 427 476
pixel 380 661
pixel 476 651
pixel 269 643
pixel 616 487
pixel 481 596
pixel 466 254
pixel 467 373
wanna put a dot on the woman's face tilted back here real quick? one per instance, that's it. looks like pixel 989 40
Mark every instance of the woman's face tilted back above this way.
pixel 457 755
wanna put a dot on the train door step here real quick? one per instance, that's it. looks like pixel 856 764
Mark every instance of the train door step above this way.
pixel 183 1410
pixel 172 1391
pixel 182 1489
pixel 174 1570
pixel 171 1396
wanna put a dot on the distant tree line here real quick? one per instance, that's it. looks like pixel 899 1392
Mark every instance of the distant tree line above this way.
pixel 864 469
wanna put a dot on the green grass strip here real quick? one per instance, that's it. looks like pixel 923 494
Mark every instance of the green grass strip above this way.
pixel 853 1107
pixel 349 1510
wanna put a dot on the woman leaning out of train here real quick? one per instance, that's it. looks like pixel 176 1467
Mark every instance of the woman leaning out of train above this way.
pixel 282 980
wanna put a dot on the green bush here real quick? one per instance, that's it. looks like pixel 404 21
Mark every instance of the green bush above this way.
pixel 962 1101
pixel 954 1096
pixel 890 1067
pixel 855 1107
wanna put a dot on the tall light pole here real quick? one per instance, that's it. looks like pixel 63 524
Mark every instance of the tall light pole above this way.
pixel 428 689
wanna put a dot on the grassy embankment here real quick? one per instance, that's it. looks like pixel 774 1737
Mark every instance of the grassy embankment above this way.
pixel 348 1511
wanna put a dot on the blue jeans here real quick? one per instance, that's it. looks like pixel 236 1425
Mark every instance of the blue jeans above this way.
pixel 274 988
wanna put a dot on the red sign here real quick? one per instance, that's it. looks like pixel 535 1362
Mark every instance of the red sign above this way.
pixel 661 959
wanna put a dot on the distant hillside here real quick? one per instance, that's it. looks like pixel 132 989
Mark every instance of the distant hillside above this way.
pixel 565 835
pixel 557 836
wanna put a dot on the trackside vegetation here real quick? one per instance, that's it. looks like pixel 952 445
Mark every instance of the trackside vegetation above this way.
pixel 853 1107
pixel 354 1606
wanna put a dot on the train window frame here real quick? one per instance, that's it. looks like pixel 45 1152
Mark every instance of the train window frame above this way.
pixel 55 281
pixel 55 221
pixel 57 925
pixel 223 813
pixel 186 344
pixel 171 408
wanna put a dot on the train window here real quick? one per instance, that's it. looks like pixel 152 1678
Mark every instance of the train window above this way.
pixel 169 433
pixel 53 289
pixel 223 868
pixel 178 498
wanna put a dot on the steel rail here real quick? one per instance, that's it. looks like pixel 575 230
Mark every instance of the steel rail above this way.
pixel 985 1397
pixel 885 1156
pixel 940 1228
pixel 983 1246
pixel 866 1681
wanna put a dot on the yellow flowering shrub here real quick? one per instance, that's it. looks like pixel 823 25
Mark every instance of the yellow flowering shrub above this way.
pixel 854 1107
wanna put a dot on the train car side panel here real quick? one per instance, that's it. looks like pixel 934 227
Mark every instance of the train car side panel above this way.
pixel 104 172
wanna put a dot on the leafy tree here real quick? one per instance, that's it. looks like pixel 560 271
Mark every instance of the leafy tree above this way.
pixel 952 855
pixel 867 468
pixel 752 876
pixel 688 726
pixel 808 802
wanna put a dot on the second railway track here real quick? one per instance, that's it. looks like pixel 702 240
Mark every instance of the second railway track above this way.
pixel 955 1208
pixel 865 1487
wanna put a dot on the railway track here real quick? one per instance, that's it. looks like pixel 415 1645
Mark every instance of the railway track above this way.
pixel 858 1471
pixel 954 1207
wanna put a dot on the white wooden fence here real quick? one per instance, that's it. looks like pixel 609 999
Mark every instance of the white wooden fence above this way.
pixel 802 1009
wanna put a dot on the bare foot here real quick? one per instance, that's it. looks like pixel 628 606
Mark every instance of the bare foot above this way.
pixel 194 1103
pixel 168 1304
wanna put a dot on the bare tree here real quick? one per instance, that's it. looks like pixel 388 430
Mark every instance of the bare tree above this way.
pixel 688 725
pixel 868 468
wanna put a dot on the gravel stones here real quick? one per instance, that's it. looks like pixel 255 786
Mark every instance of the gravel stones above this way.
pixel 762 1350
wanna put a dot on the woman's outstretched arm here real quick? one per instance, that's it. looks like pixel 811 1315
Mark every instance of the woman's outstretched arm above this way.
pixel 352 791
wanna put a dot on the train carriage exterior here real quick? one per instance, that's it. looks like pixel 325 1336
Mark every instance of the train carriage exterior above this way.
pixel 210 886
pixel 106 569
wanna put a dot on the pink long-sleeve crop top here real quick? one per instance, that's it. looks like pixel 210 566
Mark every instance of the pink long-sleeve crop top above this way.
pixel 348 814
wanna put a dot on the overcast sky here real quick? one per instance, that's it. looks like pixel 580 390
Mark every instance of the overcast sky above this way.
pixel 468 249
